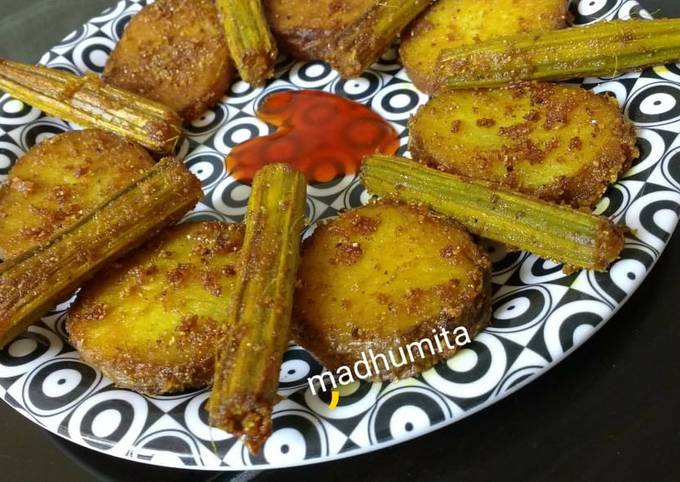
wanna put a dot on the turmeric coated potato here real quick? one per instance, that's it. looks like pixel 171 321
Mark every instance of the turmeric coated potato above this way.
pixel 304 28
pixel 559 143
pixel 59 180
pixel 452 23
pixel 384 276
pixel 152 321
pixel 174 52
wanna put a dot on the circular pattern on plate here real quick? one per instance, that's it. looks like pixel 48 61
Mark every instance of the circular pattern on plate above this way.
pixel 589 11
pixel 540 313
pixel 655 104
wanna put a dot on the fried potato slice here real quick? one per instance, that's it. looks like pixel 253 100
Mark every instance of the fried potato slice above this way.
pixel 174 52
pixel 559 143
pixel 304 27
pixel 151 321
pixel 58 180
pixel 452 23
pixel 386 275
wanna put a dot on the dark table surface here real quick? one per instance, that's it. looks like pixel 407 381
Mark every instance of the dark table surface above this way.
pixel 609 412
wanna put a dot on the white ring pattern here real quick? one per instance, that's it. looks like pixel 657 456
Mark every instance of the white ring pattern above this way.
pixel 541 313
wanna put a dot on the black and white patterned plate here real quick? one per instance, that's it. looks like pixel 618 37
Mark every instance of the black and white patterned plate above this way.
pixel 540 315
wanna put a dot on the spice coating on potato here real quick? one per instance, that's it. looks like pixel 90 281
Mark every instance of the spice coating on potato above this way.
pixel 304 27
pixel 453 23
pixel 59 180
pixel 174 52
pixel 559 143
pixel 151 321
pixel 385 275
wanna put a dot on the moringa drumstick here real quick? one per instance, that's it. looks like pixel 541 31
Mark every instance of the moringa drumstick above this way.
pixel 88 102
pixel 601 49
pixel 249 357
pixel 575 238
pixel 249 39
pixel 36 280
pixel 356 47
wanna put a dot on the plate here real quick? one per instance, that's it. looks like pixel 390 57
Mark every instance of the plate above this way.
pixel 540 315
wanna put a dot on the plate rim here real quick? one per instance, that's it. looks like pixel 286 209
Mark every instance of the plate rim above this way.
pixel 377 445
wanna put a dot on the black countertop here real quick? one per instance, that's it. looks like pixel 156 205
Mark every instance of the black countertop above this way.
pixel 608 412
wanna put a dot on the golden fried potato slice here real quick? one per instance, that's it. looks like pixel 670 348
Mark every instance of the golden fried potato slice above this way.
pixel 559 143
pixel 384 276
pixel 302 27
pixel 452 23
pixel 57 181
pixel 151 321
pixel 174 52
